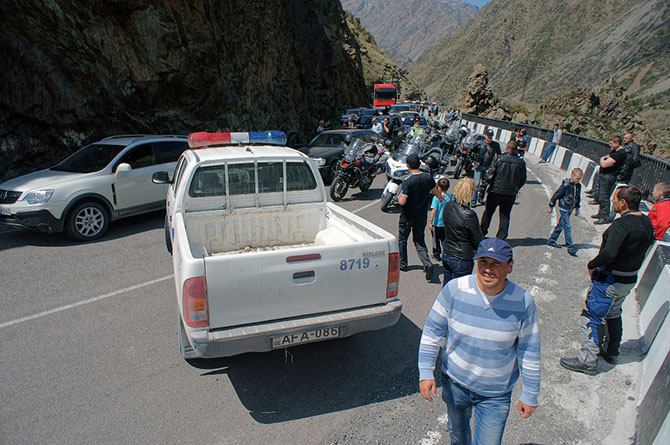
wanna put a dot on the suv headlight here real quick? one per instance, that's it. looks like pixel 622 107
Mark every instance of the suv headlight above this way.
pixel 320 162
pixel 38 196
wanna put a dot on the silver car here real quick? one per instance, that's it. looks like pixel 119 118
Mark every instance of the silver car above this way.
pixel 103 181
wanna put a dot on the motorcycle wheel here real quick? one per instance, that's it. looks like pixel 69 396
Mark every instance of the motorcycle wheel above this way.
pixel 387 202
pixel 339 188
pixel 459 168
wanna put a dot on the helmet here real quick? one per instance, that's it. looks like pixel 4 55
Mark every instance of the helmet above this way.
pixel 431 162
pixel 464 131
pixel 489 132
pixel 347 139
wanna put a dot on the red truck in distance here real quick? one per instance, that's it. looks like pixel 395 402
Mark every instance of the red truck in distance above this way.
pixel 384 95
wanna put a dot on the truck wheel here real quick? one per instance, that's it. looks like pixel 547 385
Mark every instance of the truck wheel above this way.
pixel 459 168
pixel 386 202
pixel 168 240
pixel 185 348
pixel 88 221
pixel 339 188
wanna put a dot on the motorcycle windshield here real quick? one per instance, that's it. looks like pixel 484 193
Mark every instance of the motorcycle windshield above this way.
pixel 404 151
pixel 352 152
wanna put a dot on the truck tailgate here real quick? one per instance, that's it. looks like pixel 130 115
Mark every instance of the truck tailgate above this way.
pixel 258 286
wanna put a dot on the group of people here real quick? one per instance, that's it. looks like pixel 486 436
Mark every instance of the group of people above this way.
pixel 474 311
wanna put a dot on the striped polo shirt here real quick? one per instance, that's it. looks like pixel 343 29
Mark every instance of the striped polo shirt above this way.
pixel 488 339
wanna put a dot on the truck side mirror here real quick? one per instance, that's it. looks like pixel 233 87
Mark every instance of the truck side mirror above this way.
pixel 121 169
pixel 160 178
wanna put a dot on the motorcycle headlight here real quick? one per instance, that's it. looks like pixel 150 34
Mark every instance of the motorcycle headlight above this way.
pixel 38 196
pixel 320 162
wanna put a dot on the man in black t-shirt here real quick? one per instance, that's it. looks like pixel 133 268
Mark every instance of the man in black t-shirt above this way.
pixel 609 167
pixel 415 196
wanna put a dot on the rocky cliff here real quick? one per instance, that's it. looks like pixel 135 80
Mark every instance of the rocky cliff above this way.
pixel 406 28
pixel 75 71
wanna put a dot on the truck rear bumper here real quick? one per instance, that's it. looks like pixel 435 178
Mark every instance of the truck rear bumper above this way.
pixel 257 337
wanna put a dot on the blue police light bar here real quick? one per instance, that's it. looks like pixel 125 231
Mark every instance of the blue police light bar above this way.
pixel 202 139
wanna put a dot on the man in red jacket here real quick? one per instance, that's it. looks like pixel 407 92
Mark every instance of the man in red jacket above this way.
pixel 660 213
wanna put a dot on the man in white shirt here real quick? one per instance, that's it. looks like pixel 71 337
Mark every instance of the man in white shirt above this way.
pixel 376 125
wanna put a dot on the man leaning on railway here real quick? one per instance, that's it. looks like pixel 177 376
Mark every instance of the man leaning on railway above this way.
pixel 632 160
pixel 610 164
pixel 613 275
pixel 492 335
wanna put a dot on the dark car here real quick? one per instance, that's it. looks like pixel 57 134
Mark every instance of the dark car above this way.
pixel 327 148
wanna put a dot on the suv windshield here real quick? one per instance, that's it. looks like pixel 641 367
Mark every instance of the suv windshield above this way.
pixel 89 159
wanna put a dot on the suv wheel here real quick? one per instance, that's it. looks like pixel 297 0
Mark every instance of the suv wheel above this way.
pixel 87 221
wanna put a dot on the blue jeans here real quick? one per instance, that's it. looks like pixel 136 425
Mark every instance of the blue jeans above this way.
pixel 455 267
pixel 563 225
pixel 548 151
pixel 490 414
pixel 477 177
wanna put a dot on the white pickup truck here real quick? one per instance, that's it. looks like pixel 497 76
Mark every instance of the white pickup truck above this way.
pixel 261 260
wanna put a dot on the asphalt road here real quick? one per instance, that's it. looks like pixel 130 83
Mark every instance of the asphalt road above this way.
pixel 88 334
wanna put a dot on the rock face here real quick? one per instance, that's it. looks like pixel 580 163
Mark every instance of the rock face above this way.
pixel 73 72
pixel 479 99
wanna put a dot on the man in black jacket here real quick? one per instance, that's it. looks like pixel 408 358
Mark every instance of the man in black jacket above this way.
pixel 484 159
pixel 610 165
pixel 505 177
pixel 632 161
pixel 613 274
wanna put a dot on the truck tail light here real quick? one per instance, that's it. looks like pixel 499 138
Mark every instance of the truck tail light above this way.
pixel 393 276
pixel 194 299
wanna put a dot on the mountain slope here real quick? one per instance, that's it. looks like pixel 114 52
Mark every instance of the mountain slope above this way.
pixel 377 68
pixel 405 28
pixel 532 49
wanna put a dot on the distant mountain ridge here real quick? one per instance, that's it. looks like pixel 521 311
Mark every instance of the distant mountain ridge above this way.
pixel 404 29
pixel 534 49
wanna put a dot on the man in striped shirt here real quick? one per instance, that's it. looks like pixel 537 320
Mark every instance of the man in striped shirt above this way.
pixel 492 334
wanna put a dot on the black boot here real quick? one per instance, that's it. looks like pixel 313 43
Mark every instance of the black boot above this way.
pixel 614 333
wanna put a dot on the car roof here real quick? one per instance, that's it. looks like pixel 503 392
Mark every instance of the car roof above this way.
pixel 127 139
pixel 345 131
pixel 241 152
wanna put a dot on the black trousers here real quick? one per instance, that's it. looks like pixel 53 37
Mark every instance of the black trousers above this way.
pixel 606 185
pixel 493 201
pixel 417 227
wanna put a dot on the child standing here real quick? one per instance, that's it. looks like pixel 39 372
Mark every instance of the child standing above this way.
pixel 568 197
pixel 436 224
pixel 660 213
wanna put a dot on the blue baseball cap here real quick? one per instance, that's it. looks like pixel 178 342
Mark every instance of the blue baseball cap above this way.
pixel 495 248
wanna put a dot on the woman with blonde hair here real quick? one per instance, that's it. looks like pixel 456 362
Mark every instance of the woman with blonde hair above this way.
pixel 462 234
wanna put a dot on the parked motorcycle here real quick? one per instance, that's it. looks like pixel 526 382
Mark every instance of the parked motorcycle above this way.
pixel 472 145
pixel 397 170
pixel 361 163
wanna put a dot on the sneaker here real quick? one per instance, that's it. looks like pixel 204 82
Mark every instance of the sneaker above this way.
pixel 576 365
pixel 429 272
pixel 596 216
pixel 403 269
pixel 542 161
pixel 553 244
pixel 572 252
pixel 601 221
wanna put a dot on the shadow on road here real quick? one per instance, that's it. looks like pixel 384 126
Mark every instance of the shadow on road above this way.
pixel 11 238
pixel 324 377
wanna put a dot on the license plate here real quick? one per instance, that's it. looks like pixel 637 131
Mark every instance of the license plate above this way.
pixel 297 338
pixel 5 211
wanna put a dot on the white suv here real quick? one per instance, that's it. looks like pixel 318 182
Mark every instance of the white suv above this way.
pixel 104 181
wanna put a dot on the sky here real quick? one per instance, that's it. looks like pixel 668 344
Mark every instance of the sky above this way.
pixel 477 3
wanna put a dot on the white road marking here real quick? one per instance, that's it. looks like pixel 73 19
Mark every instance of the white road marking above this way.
pixel 366 206
pixel 80 303
pixel 547 192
